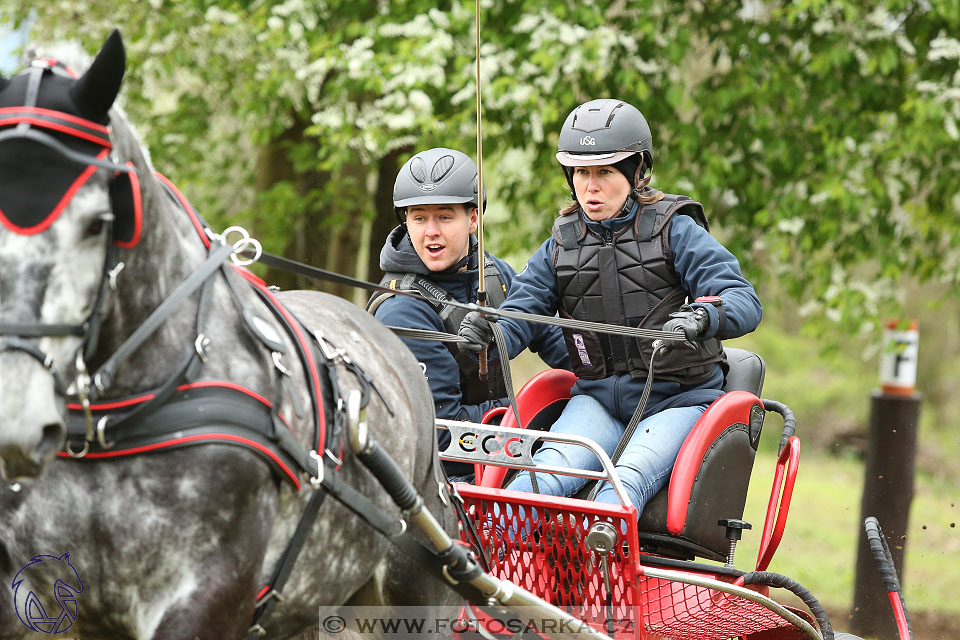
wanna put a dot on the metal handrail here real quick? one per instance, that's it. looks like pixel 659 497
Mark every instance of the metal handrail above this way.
pixel 526 463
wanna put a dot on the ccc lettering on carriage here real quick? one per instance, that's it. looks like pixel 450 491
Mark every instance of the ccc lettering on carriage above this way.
pixel 491 444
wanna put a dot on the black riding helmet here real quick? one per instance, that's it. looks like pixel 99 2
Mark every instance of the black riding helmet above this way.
pixel 605 132
pixel 436 176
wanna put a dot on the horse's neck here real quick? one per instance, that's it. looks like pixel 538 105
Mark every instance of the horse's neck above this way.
pixel 168 253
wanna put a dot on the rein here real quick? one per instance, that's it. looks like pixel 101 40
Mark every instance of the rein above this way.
pixel 316 273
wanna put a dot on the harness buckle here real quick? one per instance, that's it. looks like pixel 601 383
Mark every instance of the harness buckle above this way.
pixel 273 593
pixel 101 433
pixel 83 391
pixel 278 363
pixel 317 481
pixel 333 458
pixel 113 273
pixel 329 352
pixel 357 422
pixel 202 345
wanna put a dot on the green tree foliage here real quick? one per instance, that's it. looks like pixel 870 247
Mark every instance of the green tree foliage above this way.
pixel 821 135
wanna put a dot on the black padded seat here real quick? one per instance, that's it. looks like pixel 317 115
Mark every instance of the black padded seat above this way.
pixel 722 477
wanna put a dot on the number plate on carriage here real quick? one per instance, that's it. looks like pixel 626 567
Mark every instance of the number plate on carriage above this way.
pixel 472 442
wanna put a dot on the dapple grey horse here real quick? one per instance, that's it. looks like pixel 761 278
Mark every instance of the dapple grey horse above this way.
pixel 174 543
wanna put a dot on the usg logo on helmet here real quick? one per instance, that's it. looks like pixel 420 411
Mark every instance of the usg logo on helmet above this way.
pixel 588 141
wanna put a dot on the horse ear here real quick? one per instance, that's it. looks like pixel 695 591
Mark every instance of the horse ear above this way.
pixel 96 89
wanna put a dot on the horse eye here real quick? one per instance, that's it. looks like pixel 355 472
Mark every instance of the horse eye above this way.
pixel 95 227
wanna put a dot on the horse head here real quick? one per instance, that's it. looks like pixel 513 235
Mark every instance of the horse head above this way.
pixel 74 185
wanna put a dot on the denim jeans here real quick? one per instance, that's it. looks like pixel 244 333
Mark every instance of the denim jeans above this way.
pixel 646 463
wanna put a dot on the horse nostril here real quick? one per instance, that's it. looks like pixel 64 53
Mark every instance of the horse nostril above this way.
pixel 50 441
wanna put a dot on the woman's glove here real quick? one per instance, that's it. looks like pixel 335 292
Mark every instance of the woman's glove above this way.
pixel 478 331
pixel 692 323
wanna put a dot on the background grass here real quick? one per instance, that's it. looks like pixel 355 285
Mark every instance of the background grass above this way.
pixel 820 543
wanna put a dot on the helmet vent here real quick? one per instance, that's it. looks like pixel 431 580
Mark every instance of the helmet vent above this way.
pixel 441 168
pixel 613 112
pixel 418 170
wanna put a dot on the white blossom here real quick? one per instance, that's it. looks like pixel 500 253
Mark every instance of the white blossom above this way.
pixel 944 48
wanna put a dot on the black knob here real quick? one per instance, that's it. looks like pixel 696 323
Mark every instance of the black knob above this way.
pixel 734 528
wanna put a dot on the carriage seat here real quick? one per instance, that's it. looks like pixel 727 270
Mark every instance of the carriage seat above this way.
pixel 710 479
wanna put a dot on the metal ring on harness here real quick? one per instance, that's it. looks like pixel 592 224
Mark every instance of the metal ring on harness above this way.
pixel 76 454
pixel 243 245
pixel 244 234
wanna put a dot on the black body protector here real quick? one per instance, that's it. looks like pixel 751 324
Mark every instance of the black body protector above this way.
pixel 473 390
pixel 627 279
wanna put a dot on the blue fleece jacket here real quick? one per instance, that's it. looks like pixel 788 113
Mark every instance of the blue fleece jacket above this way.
pixel 439 366
pixel 705 268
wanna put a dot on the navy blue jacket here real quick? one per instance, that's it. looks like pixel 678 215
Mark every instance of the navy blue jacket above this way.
pixel 439 366
pixel 705 268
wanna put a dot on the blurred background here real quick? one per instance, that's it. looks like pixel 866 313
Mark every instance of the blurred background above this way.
pixel 820 135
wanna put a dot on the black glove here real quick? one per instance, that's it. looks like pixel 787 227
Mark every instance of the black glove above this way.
pixel 478 330
pixel 689 321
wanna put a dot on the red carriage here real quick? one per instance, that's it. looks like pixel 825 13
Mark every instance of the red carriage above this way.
pixel 660 577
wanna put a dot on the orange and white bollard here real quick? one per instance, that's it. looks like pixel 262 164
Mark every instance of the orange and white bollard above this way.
pixel 898 361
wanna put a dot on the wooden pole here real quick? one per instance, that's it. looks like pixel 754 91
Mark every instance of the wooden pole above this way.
pixel 888 482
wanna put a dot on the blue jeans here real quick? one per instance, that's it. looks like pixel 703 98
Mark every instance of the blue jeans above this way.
pixel 646 462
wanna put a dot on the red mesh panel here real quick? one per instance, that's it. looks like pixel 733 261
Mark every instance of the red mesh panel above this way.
pixel 543 549
pixel 539 543
pixel 681 611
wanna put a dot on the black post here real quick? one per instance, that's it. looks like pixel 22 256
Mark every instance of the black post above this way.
pixel 887 492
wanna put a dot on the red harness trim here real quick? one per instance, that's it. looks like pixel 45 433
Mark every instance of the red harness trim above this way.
pixel 203 384
pixel 213 437
pixel 53 62
pixel 320 414
pixel 186 207
pixel 15 115
pixel 137 210
pixel 64 201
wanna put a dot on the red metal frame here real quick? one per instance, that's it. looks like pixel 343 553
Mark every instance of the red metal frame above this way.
pixel 776 518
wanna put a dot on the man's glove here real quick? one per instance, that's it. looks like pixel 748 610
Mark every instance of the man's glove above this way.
pixel 689 321
pixel 478 331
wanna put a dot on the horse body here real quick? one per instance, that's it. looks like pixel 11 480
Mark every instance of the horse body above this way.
pixel 176 544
